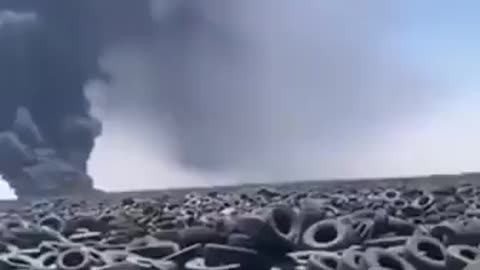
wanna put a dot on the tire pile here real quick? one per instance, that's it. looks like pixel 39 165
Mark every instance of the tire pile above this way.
pixel 321 229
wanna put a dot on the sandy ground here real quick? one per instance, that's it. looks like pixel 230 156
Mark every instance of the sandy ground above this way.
pixel 424 182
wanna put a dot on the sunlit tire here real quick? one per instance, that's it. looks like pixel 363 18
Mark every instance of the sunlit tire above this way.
pixel 376 257
pixel 329 235
pixel 274 229
pixel 351 259
pixel 217 255
pixel 53 222
pixel 184 255
pixel 199 234
pixel 74 259
pixel 199 264
pixel 459 256
pixel 426 253
pixel 323 261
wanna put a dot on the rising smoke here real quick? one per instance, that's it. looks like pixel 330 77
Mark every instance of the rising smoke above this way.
pixel 49 51
pixel 258 90
pixel 252 89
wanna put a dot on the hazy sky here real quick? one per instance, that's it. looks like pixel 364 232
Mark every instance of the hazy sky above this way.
pixel 407 98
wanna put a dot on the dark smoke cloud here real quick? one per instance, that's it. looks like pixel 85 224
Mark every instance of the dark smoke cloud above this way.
pixel 49 51
pixel 44 66
pixel 264 89
pixel 255 89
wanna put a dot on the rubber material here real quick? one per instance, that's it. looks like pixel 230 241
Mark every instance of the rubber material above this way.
pixel 329 235
pixel 459 256
pixel 323 261
pixel 426 253
pixel 376 257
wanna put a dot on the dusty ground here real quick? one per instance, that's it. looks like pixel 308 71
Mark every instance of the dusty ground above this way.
pixel 424 182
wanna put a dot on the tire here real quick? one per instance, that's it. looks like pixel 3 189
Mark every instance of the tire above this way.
pixel 424 202
pixel 465 232
pixel 381 258
pixel 363 230
pixel 302 257
pixel 48 259
pixel 400 227
pixel 73 259
pixel 328 235
pixel 323 261
pixel 391 195
pixel 240 240
pixel 426 253
pixel 17 261
pixel 459 256
pixel 351 260
pixel 199 234
pixel 183 256
pixel 312 211
pixel 473 266
pixel 54 222
pixel 199 264
pixel 386 242
pixel 155 250
pixel 274 229
pixel 217 255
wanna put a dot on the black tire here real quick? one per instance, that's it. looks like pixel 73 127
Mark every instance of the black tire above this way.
pixel 445 232
pixel 391 195
pixel 312 210
pixel 426 253
pixel 199 234
pixel 17 261
pixel 473 266
pixel 113 257
pixel 424 202
pixel 53 222
pixel 48 259
pixel 323 261
pixel 74 259
pixel 376 257
pixel 274 229
pixel 183 256
pixel 155 250
pixel 459 256
pixel 217 255
pixel 301 257
pixel 363 230
pixel 400 227
pixel 329 235
pixel 399 204
pixel 199 264
pixel 351 260
pixel 386 242
pixel 460 232
pixel 89 222
pixel 144 263
pixel 240 240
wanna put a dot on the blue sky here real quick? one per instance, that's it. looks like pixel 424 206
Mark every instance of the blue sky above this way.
pixel 441 37
pixel 442 40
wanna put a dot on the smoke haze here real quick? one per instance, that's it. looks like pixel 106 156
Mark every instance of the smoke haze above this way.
pixel 255 91
pixel 217 92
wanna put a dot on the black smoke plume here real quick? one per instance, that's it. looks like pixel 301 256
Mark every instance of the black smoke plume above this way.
pixel 260 90
pixel 49 50
pixel 278 89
